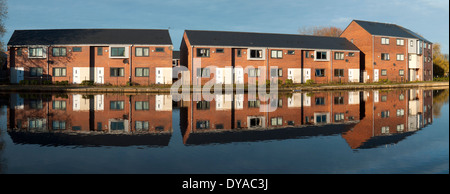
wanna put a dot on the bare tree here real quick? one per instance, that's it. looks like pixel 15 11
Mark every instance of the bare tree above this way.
pixel 3 15
pixel 320 31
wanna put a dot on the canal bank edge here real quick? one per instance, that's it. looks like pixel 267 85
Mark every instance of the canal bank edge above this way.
pixel 150 89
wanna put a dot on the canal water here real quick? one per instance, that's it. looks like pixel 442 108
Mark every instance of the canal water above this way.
pixel 363 132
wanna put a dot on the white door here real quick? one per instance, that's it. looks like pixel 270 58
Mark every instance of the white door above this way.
pixel 99 99
pixel 219 75
pixel 76 75
pixel 306 75
pixel 159 76
pixel 76 102
pixel 350 75
pixel 375 75
pixel 100 75
pixel 238 75
pixel 17 75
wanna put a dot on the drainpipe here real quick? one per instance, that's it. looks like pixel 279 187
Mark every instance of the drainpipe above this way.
pixel 131 62
pixel 331 63
pixel 48 62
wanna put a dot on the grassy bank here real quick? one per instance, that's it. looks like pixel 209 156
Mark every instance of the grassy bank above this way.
pixel 167 88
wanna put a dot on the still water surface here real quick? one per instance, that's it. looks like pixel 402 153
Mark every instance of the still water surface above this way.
pixel 373 131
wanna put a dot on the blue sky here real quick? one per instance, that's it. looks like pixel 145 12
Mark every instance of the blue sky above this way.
pixel 429 18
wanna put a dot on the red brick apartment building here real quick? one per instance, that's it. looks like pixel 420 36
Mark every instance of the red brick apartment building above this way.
pixel 104 56
pixel 211 56
pixel 241 113
pixel 390 116
pixel 391 52
pixel 112 114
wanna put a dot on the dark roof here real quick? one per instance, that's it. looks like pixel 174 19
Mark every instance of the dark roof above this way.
pixel 249 39
pixel 90 36
pixel 176 55
pixel 385 29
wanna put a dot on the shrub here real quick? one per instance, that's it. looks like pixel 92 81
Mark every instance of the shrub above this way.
pixel 87 83
pixel 309 82
pixel 34 82
pixel 288 82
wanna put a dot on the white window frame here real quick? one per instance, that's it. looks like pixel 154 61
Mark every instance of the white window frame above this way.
pixel 44 52
pixel 327 55
pixel 263 54
pixel 276 54
pixel 385 41
pixel 400 42
pixel 127 51
pixel 400 57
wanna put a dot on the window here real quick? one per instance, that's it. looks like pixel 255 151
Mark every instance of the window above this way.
pixel 401 72
pixel 384 98
pixel 203 72
pixel 339 56
pixel 36 52
pixel 117 125
pixel 59 125
pixel 59 52
pixel 59 105
pixel 291 52
pixel 320 72
pixel 400 57
pixel 117 105
pixel 383 72
pixel 400 127
pixel 117 72
pixel 400 42
pixel 276 121
pixel 239 53
pixel 35 71
pixel 321 55
pixel 276 72
pixel 35 104
pixel 141 125
pixel 59 72
pixel 141 105
pixel 254 103
pixel 202 124
pixel 338 117
pixel 117 51
pixel 19 51
pixel 339 100
pixel 76 49
pixel 142 72
pixel 99 51
pixel 159 49
pixel 400 112
pixel 256 72
pixel 142 52
pixel 36 123
pixel 203 105
pixel 306 54
pixel 385 130
pixel 220 50
pixel 384 40
pixel 276 54
pixel 256 122
pixel 385 56
pixel 320 101
pixel 321 118
pixel 411 43
pixel 401 97
pixel 385 114
pixel 256 54
pixel 202 52
pixel 339 72
pixel 351 54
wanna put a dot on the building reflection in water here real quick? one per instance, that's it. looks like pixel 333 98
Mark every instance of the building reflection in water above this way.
pixel 365 119
pixel 91 120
